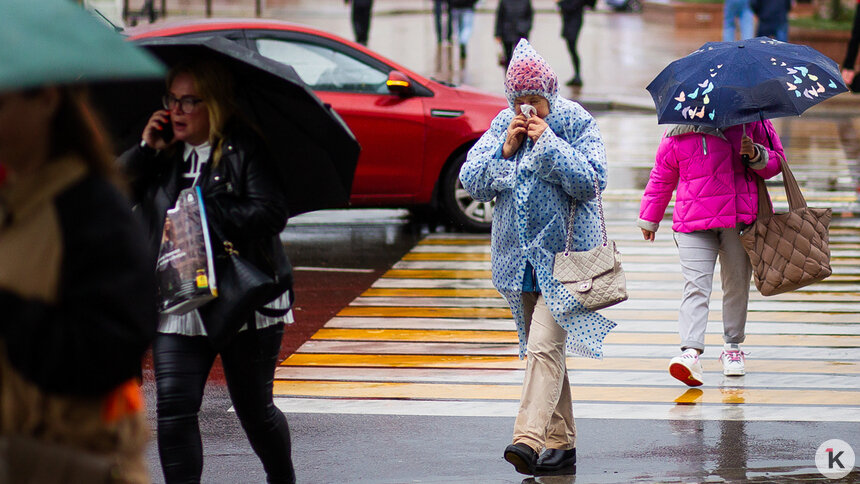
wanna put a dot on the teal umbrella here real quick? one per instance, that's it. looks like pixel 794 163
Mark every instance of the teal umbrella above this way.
pixel 58 42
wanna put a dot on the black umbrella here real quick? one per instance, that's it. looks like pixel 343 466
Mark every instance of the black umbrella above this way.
pixel 728 83
pixel 314 151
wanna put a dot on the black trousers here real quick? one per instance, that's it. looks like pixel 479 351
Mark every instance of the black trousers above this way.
pixel 442 10
pixel 361 21
pixel 572 25
pixel 182 364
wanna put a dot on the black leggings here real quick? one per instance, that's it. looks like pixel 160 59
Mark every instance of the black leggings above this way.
pixel 182 364
pixel 572 35
pixel 361 23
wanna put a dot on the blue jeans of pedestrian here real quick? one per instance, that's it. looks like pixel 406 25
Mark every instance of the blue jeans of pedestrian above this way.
pixel 740 10
pixel 782 33
pixel 465 20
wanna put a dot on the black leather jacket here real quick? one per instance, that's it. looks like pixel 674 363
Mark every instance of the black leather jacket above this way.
pixel 241 194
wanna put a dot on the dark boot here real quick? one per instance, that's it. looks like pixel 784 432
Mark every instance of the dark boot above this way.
pixel 576 81
pixel 522 457
pixel 556 460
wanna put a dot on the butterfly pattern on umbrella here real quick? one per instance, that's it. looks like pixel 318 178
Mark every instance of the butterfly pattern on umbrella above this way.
pixel 692 111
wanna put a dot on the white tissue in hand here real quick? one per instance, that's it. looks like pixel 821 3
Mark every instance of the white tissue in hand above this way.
pixel 527 110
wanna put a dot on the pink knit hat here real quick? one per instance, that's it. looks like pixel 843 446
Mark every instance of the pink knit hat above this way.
pixel 528 73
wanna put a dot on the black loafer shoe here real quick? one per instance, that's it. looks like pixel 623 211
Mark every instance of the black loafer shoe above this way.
pixel 553 460
pixel 522 457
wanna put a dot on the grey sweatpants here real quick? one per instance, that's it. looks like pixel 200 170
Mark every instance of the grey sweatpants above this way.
pixel 698 252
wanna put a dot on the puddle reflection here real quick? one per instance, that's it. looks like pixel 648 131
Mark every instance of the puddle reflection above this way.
pixel 564 479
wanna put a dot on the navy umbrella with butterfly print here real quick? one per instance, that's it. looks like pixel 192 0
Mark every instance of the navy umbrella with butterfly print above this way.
pixel 728 83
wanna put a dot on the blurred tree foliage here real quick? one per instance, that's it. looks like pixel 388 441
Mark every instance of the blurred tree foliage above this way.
pixel 835 10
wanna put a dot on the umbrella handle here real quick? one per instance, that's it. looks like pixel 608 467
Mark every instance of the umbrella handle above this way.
pixel 745 158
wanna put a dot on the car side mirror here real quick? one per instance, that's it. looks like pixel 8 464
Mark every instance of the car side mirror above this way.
pixel 398 83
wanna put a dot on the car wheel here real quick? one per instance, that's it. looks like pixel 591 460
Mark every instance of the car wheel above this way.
pixel 459 207
pixel 634 5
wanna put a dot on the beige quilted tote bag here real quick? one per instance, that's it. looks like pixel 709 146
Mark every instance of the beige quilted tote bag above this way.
pixel 594 277
pixel 787 250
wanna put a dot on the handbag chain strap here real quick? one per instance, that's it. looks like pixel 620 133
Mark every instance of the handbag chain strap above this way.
pixel 569 238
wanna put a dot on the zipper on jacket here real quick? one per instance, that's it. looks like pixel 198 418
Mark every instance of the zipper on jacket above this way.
pixel 704 145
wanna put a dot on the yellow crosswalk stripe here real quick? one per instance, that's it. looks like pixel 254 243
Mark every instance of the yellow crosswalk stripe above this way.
pixel 457 241
pixel 445 256
pixel 810 296
pixel 442 391
pixel 405 312
pixel 513 362
pixel 418 292
pixel 670 259
pixel 491 336
pixel 638 314
pixel 435 274
pixel 635 276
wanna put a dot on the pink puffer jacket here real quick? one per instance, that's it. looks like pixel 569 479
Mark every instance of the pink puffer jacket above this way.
pixel 715 189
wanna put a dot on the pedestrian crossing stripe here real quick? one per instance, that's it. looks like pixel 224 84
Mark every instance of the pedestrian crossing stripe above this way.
pixel 435 391
pixel 670 261
pixel 479 362
pixel 444 312
pixel 489 336
pixel 485 274
pixel 485 257
pixel 440 341
pixel 641 294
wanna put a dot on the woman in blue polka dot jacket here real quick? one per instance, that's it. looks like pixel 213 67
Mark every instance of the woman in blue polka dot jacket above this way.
pixel 540 159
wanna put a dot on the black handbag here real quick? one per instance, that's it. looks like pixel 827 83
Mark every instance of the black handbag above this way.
pixel 243 288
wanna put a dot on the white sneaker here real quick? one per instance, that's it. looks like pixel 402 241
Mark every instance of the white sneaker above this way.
pixel 687 368
pixel 733 360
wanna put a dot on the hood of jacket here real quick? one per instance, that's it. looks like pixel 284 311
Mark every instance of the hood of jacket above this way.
pixel 529 73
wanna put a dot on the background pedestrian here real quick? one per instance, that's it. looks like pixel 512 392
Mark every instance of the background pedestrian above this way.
pixel 740 11
pixel 361 13
pixel 772 18
pixel 513 22
pixel 541 160
pixel 212 149
pixel 463 14
pixel 848 72
pixel 716 199
pixel 77 289
pixel 571 23
pixel 442 21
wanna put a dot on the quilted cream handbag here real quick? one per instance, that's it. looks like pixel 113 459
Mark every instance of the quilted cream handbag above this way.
pixel 787 250
pixel 595 276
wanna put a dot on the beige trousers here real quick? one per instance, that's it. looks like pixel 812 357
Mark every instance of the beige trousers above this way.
pixel 545 418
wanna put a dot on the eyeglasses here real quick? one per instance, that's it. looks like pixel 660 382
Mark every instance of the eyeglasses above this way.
pixel 187 104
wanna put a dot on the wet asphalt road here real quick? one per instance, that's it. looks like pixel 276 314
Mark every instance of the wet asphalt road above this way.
pixel 354 248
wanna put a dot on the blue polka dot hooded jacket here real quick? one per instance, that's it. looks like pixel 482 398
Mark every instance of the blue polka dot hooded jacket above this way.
pixel 535 190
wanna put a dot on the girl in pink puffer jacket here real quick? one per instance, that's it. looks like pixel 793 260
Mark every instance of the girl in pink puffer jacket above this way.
pixel 716 198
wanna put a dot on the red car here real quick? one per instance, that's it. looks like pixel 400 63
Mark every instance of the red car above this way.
pixel 414 132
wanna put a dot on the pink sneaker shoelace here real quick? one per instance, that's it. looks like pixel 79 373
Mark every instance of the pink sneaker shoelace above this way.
pixel 734 355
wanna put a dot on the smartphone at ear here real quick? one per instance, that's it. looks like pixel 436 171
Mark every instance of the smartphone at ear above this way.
pixel 167 132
